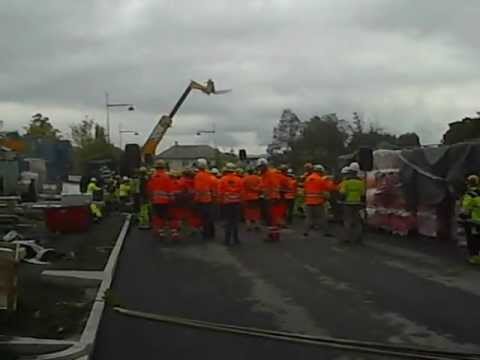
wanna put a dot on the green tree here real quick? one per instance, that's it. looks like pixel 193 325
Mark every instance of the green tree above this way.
pixel 323 140
pixel 408 140
pixel 374 137
pixel 41 127
pixel 460 131
pixel 91 144
pixel 82 134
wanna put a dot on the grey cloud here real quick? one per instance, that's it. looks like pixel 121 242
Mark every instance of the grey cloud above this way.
pixel 411 65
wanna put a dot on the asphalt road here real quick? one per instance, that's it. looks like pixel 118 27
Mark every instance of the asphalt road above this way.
pixel 390 290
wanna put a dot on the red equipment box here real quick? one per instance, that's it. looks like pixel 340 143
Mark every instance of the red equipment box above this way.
pixel 68 219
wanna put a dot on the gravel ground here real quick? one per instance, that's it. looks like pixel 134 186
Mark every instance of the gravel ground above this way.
pixel 58 309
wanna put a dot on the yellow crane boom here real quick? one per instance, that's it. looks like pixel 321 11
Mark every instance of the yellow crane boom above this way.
pixel 165 121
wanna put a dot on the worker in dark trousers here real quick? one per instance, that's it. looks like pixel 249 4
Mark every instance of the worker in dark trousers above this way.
pixel 230 195
pixel 291 195
pixel 96 192
pixel 204 187
pixel 471 218
pixel 144 203
pixel 352 191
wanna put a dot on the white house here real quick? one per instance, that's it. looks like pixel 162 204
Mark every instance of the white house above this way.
pixel 183 156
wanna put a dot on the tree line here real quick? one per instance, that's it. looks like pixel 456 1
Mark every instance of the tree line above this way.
pixel 324 138
pixel 88 139
pixel 321 139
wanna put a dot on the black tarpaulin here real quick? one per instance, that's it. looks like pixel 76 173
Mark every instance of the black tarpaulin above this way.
pixel 429 175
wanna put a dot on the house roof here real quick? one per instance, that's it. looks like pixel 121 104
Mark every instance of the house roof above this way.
pixel 181 152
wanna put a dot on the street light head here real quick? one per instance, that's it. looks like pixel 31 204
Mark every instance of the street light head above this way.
pixel 198 133
pixel 131 108
pixel 136 133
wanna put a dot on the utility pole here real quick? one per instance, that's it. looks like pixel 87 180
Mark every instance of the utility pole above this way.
pixel 108 117
pixel 128 107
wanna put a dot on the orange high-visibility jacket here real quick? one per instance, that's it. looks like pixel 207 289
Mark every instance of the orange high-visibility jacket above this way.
pixel 315 187
pixel 215 183
pixel 271 184
pixel 330 184
pixel 252 187
pixel 230 189
pixel 204 187
pixel 160 187
pixel 291 192
pixel 283 178
pixel 176 188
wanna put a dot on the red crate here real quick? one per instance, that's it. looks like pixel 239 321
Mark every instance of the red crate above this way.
pixel 69 219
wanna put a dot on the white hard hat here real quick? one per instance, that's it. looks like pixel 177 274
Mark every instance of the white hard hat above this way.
pixel 230 167
pixel 214 171
pixel 125 178
pixel 354 166
pixel 201 163
pixel 262 162
pixel 318 167
pixel 93 179
pixel 345 170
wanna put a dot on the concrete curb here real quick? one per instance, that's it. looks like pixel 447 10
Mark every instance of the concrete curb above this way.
pixel 90 331
pixel 82 348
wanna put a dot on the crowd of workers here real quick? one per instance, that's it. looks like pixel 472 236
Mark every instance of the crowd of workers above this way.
pixel 260 196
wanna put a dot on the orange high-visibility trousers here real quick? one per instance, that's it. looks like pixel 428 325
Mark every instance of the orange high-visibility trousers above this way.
pixel 252 211
pixel 160 218
pixel 177 214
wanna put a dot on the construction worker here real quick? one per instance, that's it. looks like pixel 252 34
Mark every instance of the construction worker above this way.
pixel 352 192
pixel 308 167
pixel 135 190
pixel 240 172
pixel 144 213
pixel 216 176
pixel 109 196
pixel 188 194
pixel 470 205
pixel 252 189
pixel 93 189
pixel 230 193
pixel 272 199
pixel 315 194
pixel 160 190
pixel 205 191
pixel 124 192
pixel 290 195
pixel 117 183
pixel 282 173
pixel 176 208
pixel 216 173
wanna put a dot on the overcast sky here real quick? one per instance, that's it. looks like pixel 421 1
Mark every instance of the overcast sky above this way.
pixel 407 65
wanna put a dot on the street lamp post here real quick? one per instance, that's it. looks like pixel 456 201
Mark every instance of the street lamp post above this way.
pixel 211 132
pixel 128 107
pixel 200 132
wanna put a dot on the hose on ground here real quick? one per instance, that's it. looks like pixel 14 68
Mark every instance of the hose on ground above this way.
pixel 381 349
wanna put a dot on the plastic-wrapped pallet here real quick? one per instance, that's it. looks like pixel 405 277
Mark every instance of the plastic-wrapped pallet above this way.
pixel 427 221
pixel 386 159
